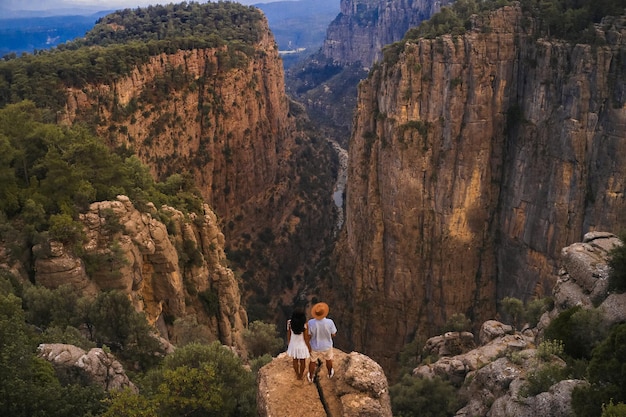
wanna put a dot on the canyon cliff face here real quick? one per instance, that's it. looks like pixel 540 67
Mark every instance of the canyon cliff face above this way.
pixel 178 278
pixel 326 82
pixel 364 27
pixel 221 116
pixel 473 161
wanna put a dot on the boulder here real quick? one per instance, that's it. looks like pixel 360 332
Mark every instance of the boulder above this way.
pixel 358 389
pixel 99 366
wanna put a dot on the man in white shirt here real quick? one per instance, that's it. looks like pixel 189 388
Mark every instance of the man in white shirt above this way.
pixel 321 330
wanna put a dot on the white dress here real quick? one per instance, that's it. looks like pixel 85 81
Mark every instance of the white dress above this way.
pixel 297 348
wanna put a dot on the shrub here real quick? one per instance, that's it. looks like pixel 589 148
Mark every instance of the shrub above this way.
pixel 614 410
pixel 423 397
pixel 606 374
pixel 457 323
pixel 541 379
pixel 579 329
pixel 549 348
pixel 617 263
pixel 262 338
pixel 198 376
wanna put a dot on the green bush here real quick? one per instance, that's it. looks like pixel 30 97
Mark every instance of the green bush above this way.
pixel 614 410
pixel 262 338
pixel 541 379
pixel 579 329
pixel 617 264
pixel 457 323
pixel 423 397
pixel 606 373
pixel 201 380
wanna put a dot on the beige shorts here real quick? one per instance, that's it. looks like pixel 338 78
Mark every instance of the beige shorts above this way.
pixel 326 355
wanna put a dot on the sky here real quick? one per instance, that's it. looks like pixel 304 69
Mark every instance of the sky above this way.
pixel 95 4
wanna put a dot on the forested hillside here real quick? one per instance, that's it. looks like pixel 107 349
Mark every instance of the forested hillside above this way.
pixel 57 160
pixel 123 40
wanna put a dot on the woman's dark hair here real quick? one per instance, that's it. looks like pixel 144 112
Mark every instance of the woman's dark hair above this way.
pixel 298 319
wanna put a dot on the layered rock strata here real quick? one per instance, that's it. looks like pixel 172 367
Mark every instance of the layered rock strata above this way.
pixel 133 252
pixel 221 116
pixel 473 160
pixel 364 27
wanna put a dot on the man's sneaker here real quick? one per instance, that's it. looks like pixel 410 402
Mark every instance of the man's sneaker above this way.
pixel 332 373
pixel 308 377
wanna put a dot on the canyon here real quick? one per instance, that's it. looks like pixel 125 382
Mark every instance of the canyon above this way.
pixel 474 159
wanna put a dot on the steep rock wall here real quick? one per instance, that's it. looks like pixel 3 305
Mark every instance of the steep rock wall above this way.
pixel 167 276
pixel 364 27
pixel 473 160
pixel 222 116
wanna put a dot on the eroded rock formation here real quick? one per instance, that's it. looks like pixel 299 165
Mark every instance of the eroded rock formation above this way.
pixel 133 252
pixel 474 160
pixel 493 377
pixel 221 116
pixel 358 389
pixel 100 367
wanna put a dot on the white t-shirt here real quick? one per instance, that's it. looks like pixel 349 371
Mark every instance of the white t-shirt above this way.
pixel 321 332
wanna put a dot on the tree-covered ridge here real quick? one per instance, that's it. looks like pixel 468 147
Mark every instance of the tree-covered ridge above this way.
pixel 192 21
pixel 571 20
pixel 124 40
pixel 49 174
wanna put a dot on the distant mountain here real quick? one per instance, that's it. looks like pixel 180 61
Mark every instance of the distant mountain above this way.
pixel 25 34
pixel 299 24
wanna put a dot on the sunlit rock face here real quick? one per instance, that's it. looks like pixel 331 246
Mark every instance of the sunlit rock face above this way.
pixel 474 160
pixel 222 117
pixel 134 253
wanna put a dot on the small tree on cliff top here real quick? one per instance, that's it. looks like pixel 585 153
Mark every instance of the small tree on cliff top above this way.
pixel 617 263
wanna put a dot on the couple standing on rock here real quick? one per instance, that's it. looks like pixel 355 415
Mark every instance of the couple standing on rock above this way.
pixel 312 339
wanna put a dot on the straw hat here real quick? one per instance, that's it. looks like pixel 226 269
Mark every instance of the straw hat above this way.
pixel 319 310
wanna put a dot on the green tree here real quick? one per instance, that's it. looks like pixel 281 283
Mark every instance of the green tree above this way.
pixel 29 386
pixel 513 309
pixel 115 323
pixel 617 265
pixel 606 374
pixel 579 329
pixel 215 369
pixel 262 338
pixel 423 397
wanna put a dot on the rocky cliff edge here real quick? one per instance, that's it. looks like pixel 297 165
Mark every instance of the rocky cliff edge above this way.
pixel 358 389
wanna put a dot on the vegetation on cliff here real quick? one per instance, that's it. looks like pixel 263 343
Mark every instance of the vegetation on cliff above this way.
pixel 195 380
pixel 121 41
pixel 51 173
pixel 561 19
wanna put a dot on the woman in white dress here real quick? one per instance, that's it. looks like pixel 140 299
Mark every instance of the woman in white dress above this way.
pixel 298 346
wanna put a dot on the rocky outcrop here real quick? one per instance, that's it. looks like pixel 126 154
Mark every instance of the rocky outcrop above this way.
pixel 494 378
pixel 221 116
pixel 583 280
pixel 364 27
pixel 474 160
pixel 101 368
pixel 165 275
pixel 358 389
